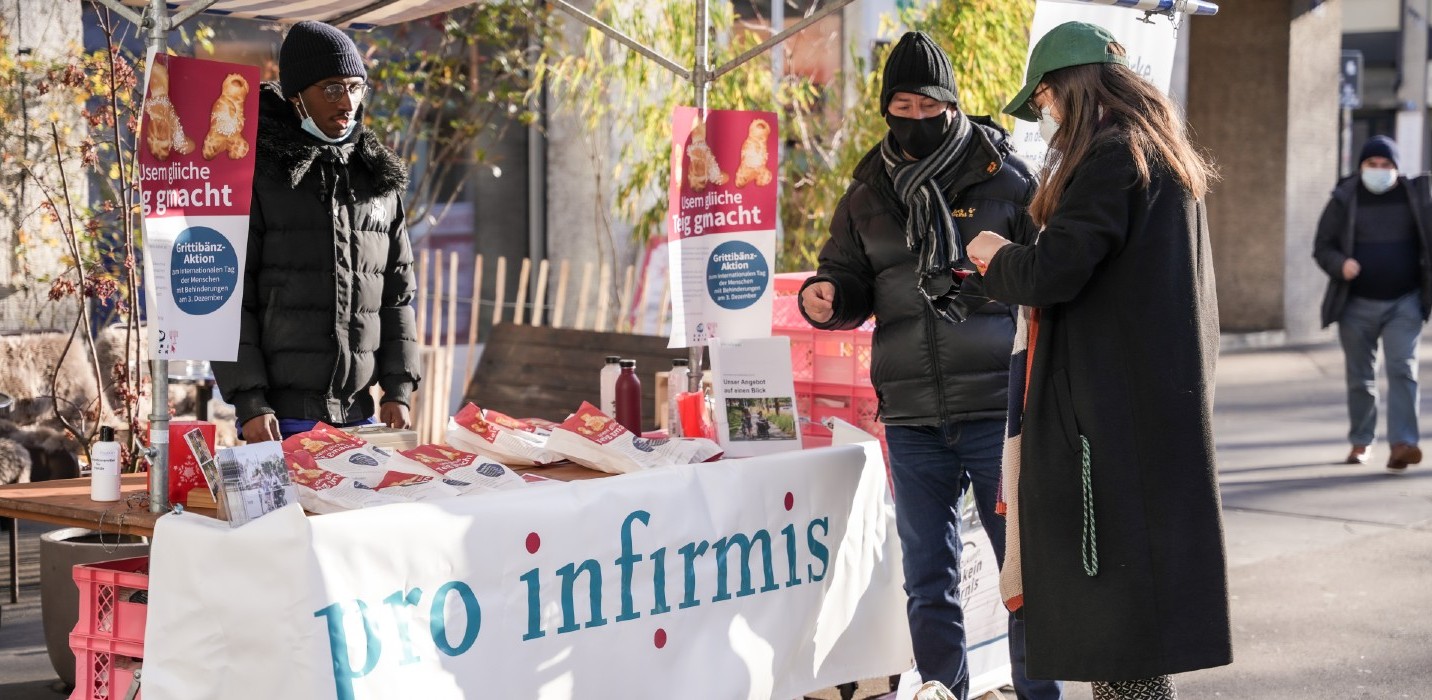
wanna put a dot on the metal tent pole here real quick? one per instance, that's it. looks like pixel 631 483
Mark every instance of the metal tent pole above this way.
pixel 701 82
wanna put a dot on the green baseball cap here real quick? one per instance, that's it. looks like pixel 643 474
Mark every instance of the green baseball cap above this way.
pixel 1069 44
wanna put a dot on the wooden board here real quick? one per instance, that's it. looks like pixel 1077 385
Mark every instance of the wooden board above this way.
pixel 529 371
pixel 66 502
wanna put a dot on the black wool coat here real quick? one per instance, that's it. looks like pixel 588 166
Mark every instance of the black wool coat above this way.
pixel 1333 244
pixel 1124 358
pixel 328 283
pixel 926 370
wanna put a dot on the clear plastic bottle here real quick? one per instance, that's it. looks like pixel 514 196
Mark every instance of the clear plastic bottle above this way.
pixel 608 394
pixel 629 397
pixel 104 467
pixel 675 386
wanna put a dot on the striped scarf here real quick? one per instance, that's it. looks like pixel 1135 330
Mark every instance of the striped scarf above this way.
pixel 930 231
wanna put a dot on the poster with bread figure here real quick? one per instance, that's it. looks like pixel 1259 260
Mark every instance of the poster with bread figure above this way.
pixel 196 170
pixel 721 225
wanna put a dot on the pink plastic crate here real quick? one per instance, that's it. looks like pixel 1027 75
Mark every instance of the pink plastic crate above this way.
pixel 104 668
pixel 106 611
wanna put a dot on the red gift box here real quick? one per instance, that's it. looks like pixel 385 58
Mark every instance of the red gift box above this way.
pixel 184 471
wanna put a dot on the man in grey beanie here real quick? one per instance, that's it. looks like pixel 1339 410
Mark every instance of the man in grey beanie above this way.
pixel 940 362
pixel 328 285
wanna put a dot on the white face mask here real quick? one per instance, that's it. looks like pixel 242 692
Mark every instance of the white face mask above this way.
pixel 1379 180
pixel 1048 125
pixel 308 125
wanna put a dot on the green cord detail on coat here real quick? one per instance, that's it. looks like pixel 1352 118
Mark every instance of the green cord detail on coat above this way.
pixel 1087 543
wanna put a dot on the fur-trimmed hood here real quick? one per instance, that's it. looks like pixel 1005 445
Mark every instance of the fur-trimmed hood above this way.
pixel 285 153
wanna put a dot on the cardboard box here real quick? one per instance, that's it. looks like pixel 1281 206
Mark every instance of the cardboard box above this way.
pixel 184 471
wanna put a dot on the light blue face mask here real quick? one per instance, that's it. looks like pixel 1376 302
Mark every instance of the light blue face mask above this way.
pixel 1379 180
pixel 311 127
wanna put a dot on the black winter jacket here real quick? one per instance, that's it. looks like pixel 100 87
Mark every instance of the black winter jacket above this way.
pixel 329 279
pixel 1333 244
pixel 927 371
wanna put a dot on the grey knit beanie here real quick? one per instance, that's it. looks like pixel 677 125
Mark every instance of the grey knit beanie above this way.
pixel 313 51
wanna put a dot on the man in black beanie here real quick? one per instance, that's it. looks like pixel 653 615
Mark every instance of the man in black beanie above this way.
pixel 940 361
pixel 329 281
pixel 1373 243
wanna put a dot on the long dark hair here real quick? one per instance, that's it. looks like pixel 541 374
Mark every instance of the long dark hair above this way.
pixel 1132 109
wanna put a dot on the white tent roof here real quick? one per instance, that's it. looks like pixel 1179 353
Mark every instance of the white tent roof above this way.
pixel 354 13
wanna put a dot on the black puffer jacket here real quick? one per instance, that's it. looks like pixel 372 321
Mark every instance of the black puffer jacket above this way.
pixel 329 279
pixel 1333 244
pixel 926 370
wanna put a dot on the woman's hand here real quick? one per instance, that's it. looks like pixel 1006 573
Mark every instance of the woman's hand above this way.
pixel 982 249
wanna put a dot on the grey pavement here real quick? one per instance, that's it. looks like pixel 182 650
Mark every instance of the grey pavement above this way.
pixel 1330 565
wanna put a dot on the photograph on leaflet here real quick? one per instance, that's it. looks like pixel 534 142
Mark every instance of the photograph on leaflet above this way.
pixel 255 481
pixel 765 418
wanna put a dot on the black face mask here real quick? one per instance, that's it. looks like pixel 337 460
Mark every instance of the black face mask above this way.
pixel 919 137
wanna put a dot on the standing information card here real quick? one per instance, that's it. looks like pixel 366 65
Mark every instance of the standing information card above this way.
pixel 255 481
pixel 755 396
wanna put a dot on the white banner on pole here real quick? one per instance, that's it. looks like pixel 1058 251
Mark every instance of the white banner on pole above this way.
pixel 766 577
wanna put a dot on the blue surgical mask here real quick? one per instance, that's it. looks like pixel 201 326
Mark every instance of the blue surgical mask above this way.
pixel 311 127
pixel 1379 180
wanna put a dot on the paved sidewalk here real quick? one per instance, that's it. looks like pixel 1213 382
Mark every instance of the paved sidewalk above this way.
pixel 1330 565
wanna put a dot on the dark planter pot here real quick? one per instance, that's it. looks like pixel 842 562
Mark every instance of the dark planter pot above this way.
pixel 60 551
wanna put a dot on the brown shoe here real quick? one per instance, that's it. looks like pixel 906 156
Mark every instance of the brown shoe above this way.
pixel 1401 456
pixel 1357 455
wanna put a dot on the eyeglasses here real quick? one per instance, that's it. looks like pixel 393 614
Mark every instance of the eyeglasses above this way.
pixel 335 91
pixel 1033 107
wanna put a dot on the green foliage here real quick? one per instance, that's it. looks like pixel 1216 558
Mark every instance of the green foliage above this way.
pixel 617 91
pixel 986 41
pixel 446 88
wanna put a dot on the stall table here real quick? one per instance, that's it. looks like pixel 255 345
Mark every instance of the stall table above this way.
pixel 66 503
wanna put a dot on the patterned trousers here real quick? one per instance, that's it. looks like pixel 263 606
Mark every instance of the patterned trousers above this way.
pixel 1157 688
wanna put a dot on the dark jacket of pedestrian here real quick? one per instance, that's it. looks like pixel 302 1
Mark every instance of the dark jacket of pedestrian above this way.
pixel 1334 242
pixel 925 369
pixel 1118 512
pixel 329 280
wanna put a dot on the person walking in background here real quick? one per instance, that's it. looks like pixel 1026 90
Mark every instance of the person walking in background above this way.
pixel 1373 243
pixel 328 283
pixel 1116 551
pixel 894 240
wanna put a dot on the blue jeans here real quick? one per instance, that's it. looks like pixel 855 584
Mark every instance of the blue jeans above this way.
pixel 1398 324
pixel 932 466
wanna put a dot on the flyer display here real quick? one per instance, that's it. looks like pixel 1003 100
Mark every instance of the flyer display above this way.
pixel 755 396
pixel 196 170
pixel 722 224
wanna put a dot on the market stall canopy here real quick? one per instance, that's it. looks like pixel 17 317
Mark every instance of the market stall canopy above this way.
pixel 358 14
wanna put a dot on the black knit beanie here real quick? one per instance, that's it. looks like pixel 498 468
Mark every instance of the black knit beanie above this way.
pixel 1380 146
pixel 313 51
pixel 917 64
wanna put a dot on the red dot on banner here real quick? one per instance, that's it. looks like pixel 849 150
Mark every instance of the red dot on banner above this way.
pixel 659 639
pixel 790 500
pixel 533 543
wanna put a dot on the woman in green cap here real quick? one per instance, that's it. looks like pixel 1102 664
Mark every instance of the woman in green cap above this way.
pixel 1115 546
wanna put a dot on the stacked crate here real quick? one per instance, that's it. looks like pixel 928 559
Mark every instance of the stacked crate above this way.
pixel 831 368
pixel 108 639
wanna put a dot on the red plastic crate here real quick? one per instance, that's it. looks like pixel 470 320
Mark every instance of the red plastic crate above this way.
pixel 106 611
pixel 104 668
pixel 831 368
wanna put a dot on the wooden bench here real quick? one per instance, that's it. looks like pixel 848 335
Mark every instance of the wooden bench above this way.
pixel 529 371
